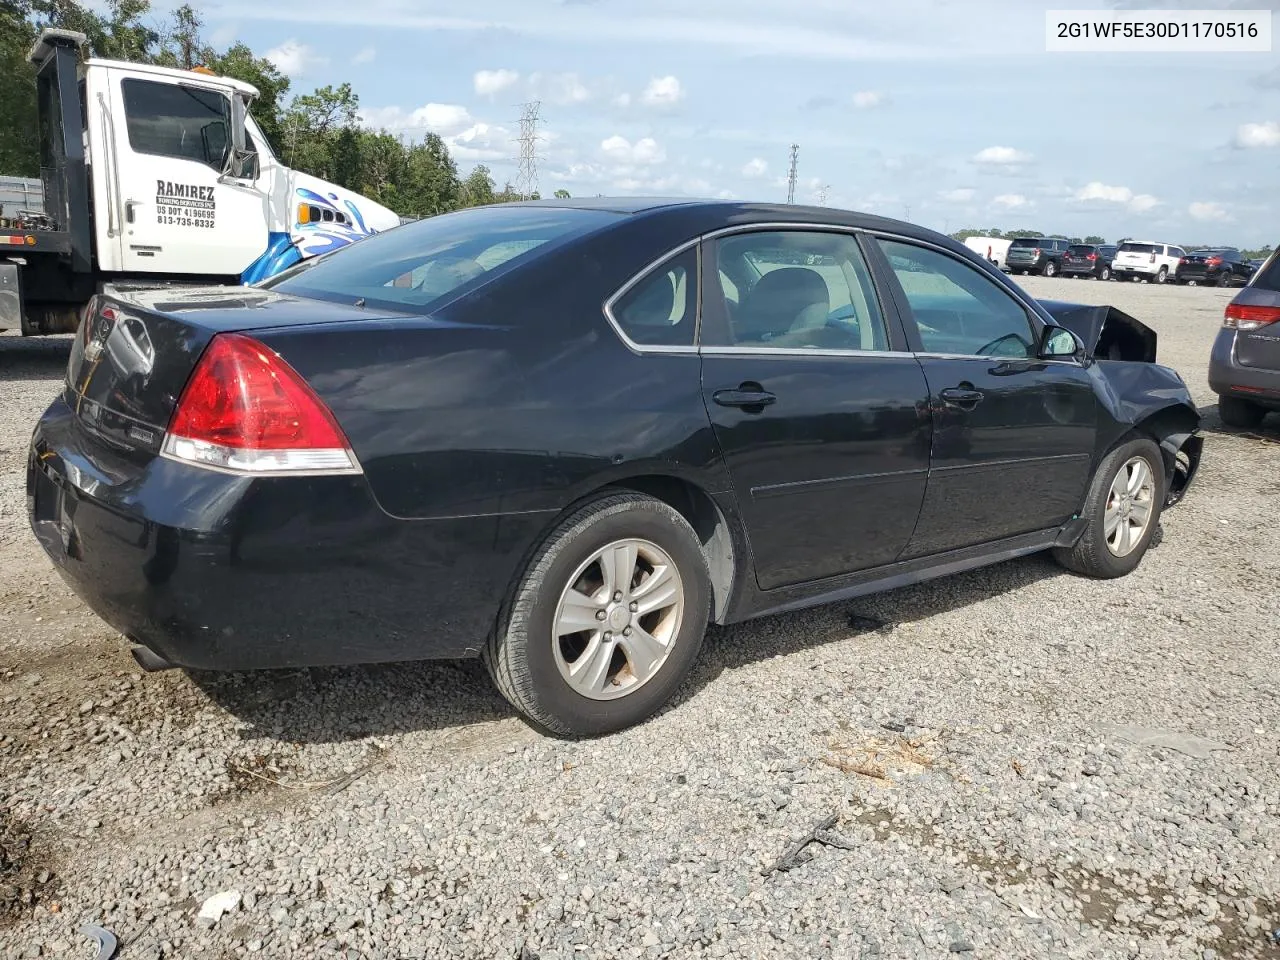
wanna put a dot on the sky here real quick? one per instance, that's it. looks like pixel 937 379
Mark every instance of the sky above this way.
pixel 948 113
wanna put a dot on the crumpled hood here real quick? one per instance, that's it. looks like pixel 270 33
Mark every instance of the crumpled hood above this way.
pixel 1107 333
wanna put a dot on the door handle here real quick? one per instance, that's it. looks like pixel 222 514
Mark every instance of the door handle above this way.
pixel 961 397
pixel 746 395
pixel 129 206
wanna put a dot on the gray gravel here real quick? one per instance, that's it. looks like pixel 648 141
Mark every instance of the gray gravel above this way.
pixel 974 736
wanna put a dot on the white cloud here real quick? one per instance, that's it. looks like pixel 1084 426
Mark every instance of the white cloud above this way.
pixel 1136 202
pixel 481 141
pixel 959 195
pixel 645 151
pixel 865 99
pixel 1208 211
pixel 560 88
pixel 662 92
pixel 490 82
pixel 726 195
pixel 1001 156
pixel 365 55
pixel 622 100
pixel 293 58
pixel 446 119
pixel 755 167
pixel 1258 135
pixel 1011 200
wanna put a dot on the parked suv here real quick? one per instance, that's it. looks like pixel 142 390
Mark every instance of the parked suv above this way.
pixel 1036 255
pixel 1244 367
pixel 1088 260
pixel 1146 259
pixel 1217 266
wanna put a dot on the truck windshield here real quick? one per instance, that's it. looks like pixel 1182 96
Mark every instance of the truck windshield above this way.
pixel 413 268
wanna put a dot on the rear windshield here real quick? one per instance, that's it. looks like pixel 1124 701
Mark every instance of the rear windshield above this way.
pixel 416 266
pixel 1029 242
pixel 1137 248
pixel 1082 249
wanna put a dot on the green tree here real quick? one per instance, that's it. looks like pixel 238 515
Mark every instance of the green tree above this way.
pixel 477 189
pixel 239 61
pixel 19 142
pixel 1093 239
pixel 562 194
pixel 312 124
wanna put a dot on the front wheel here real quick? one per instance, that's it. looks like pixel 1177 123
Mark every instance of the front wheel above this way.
pixel 1050 269
pixel 1224 278
pixel 1104 274
pixel 1122 509
pixel 1162 275
pixel 607 619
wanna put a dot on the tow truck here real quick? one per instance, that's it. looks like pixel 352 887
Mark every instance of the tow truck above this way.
pixel 158 176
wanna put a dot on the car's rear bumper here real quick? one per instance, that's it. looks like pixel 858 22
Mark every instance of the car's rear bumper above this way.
pixel 1229 377
pixel 1082 268
pixel 214 571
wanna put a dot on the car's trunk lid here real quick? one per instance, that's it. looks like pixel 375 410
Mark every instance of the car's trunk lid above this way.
pixel 1259 347
pixel 137 346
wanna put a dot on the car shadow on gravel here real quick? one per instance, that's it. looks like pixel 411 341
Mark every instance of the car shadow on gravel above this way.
pixel 1266 432
pixel 33 358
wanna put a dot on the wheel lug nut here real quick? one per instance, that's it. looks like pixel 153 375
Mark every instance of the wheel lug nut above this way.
pixel 626 632
pixel 634 606
pixel 607 636
pixel 617 597
pixel 601 615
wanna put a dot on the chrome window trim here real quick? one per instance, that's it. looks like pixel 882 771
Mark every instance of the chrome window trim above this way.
pixel 812 352
pixel 642 275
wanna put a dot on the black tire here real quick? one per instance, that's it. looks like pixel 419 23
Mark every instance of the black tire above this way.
pixel 1224 278
pixel 1239 413
pixel 520 654
pixel 1104 273
pixel 1050 269
pixel 1091 556
pixel 1161 275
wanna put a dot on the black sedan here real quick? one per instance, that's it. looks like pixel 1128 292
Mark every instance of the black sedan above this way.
pixel 564 436
pixel 1217 267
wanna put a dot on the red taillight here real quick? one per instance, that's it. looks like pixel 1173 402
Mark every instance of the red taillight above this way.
pixel 1181 261
pixel 1037 252
pixel 246 410
pixel 1241 316
pixel 1092 256
pixel 1214 261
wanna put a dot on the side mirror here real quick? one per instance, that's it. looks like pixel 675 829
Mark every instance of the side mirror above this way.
pixel 239 115
pixel 245 166
pixel 1059 343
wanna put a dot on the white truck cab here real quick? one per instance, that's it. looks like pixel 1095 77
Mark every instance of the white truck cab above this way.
pixel 169 180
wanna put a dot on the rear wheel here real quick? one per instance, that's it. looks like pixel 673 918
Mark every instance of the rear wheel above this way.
pixel 1104 273
pixel 1161 275
pixel 1123 511
pixel 1050 269
pixel 1240 413
pixel 607 619
pixel 1224 278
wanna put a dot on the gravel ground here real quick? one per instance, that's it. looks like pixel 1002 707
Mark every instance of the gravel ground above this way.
pixel 971 737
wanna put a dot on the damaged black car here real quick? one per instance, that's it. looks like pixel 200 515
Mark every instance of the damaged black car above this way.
pixel 564 436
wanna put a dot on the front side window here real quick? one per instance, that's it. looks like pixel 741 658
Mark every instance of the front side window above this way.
pixel 957 309
pixel 796 290
pixel 176 120
pixel 661 309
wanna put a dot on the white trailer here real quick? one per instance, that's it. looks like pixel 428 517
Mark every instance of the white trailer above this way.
pixel 160 176
pixel 992 248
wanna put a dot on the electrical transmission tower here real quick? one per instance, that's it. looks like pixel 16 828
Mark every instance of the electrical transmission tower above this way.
pixel 527 173
pixel 822 194
pixel 791 177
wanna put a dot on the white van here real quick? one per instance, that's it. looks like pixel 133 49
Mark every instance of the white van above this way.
pixel 989 248
pixel 1146 259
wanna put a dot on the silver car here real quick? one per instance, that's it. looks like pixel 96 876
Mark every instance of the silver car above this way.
pixel 1244 368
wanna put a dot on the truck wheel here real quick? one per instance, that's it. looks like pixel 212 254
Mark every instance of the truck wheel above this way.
pixel 607 619
pixel 1239 413
pixel 1050 269
pixel 1161 275
pixel 1123 511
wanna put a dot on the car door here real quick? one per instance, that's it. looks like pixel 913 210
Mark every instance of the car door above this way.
pixel 1013 436
pixel 820 413
pixel 178 213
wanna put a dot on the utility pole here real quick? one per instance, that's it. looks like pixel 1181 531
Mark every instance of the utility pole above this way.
pixel 527 173
pixel 791 177
pixel 822 194
pixel 907 208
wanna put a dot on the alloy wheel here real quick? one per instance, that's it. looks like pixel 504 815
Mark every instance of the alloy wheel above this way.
pixel 1129 508
pixel 617 619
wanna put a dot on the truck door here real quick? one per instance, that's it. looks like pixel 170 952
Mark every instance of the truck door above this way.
pixel 178 213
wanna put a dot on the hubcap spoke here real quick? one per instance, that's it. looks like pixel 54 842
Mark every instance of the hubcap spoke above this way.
pixel 1137 477
pixel 644 651
pixel 619 567
pixel 1111 522
pixel 1140 510
pixel 577 613
pixel 658 591
pixel 591 670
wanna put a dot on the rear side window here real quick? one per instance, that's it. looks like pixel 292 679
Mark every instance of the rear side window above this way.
pixel 417 266
pixel 1268 276
pixel 1080 250
pixel 661 309
pixel 172 120
pixel 1027 242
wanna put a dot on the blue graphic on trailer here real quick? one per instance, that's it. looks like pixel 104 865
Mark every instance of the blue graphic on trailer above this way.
pixel 309 239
